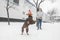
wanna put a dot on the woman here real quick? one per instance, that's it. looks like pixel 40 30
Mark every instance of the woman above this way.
pixel 39 18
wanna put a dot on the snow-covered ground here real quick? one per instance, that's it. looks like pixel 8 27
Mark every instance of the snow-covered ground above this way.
pixel 49 31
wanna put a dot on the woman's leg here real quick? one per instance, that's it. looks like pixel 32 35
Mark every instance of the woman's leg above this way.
pixel 40 23
pixel 37 24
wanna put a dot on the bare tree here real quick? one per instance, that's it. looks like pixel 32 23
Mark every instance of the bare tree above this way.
pixel 7 9
pixel 51 14
pixel 36 4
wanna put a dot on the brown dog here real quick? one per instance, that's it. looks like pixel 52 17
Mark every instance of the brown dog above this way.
pixel 26 24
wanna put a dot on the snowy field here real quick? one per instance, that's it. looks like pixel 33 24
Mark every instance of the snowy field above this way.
pixel 49 31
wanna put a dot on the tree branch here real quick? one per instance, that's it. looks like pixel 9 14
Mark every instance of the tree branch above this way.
pixel 30 3
pixel 41 2
pixel 11 5
pixel 34 1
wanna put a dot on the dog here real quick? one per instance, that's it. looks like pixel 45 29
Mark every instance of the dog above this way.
pixel 28 22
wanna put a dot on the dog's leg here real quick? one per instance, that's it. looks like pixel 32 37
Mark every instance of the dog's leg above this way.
pixel 22 30
pixel 27 30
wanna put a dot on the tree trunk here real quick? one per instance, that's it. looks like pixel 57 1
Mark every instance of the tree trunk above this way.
pixel 8 15
pixel 7 9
